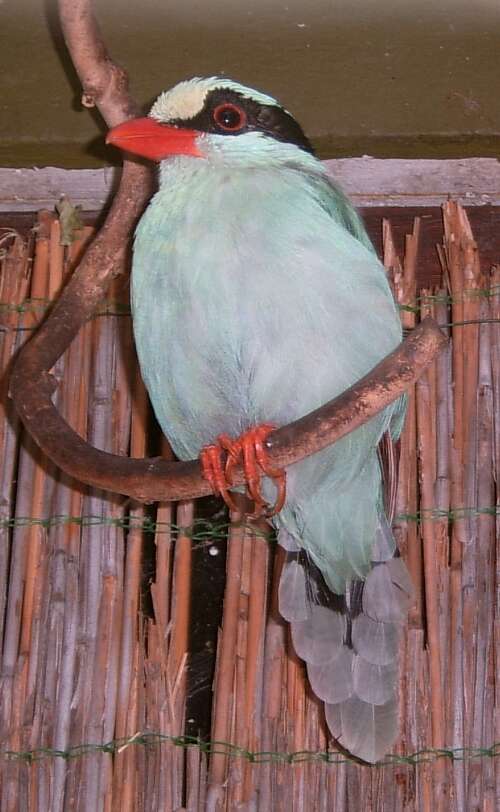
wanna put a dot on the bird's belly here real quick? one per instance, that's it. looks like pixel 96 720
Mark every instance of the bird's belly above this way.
pixel 224 359
pixel 250 323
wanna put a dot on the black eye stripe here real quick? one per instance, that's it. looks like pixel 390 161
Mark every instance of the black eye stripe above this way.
pixel 271 120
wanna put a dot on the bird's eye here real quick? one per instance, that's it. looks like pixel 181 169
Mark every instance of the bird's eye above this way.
pixel 229 117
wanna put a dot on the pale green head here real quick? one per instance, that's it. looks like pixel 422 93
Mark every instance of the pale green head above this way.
pixel 217 119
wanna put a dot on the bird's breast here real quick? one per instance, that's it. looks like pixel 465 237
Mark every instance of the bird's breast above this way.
pixel 245 300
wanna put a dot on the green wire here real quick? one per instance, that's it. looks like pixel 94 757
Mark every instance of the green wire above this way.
pixel 258 757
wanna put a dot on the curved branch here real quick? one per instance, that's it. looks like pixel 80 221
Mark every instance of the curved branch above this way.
pixel 32 385
pixel 156 479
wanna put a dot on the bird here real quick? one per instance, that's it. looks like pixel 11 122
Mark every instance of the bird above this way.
pixel 257 296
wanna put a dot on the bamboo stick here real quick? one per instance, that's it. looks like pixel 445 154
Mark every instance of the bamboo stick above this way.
pixel 480 777
pixel 195 777
pixel 75 402
pixel 13 259
pixel 495 372
pixel 126 721
pixel 451 267
pixel 239 732
pixel 224 680
pixel 404 282
pixel 444 418
pixel 426 409
pixel 179 637
pixel 160 589
pixel 471 281
pixel 257 612
pixel 14 282
pixel 406 530
pixel 158 706
pixel 465 280
pixel 69 501
pixel 273 675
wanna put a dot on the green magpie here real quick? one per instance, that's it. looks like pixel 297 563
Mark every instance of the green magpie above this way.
pixel 257 297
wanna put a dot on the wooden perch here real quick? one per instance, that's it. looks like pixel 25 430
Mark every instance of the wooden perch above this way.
pixel 32 386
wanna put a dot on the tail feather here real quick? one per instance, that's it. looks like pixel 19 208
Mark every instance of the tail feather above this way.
pixel 375 641
pixel 384 547
pixel 401 581
pixel 350 641
pixel 387 592
pixel 341 687
pixel 292 594
pixel 319 638
pixel 374 683
pixel 365 729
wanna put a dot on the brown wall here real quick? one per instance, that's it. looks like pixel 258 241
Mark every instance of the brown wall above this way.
pixel 384 77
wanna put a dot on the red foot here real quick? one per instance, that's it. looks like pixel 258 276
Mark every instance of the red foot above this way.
pixel 211 469
pixel 249 449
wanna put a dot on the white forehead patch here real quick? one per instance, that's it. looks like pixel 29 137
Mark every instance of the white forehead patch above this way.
pixel 186 100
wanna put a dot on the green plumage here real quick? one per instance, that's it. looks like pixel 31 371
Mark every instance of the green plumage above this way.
pixel 257 297
pixel 254 302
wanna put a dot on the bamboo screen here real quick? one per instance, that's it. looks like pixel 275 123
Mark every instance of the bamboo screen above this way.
pixel 96 591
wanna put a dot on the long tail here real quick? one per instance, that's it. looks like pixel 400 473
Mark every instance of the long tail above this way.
pixel 350 642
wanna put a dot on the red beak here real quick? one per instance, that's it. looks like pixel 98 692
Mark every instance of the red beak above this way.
pixel 148 138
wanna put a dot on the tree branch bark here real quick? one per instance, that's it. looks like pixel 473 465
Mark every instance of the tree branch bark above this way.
pixel 156 479
pixel 32 386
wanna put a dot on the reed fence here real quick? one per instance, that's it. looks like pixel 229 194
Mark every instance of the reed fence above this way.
pixel 97 601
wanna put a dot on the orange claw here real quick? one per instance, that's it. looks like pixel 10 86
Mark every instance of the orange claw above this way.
pixel 249 449
pixel 212 470
pixel 260 434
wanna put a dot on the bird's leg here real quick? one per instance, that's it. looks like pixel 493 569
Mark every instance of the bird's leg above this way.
pixel 250 451
pixel 213 471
